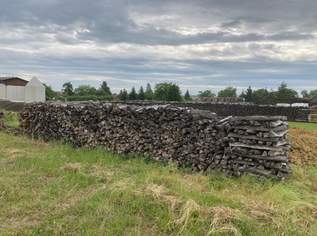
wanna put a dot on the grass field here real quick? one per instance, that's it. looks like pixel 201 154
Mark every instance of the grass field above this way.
pixel 304 125
pixel 53 189
pixel 11 119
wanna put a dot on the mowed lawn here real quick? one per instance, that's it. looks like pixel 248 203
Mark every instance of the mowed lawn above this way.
pixel 53 189
pixel 304 125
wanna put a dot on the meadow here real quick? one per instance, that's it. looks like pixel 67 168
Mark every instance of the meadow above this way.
pixel 304 125
pixel 53 189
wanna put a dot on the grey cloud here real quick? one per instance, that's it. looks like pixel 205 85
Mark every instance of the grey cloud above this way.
pixel 110 21
pixel 255 28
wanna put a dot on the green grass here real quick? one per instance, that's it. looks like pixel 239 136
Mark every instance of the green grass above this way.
pixel 53 189
pixel 11 119
pixel 304 125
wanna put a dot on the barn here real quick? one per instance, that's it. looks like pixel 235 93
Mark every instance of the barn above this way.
pixel 16 89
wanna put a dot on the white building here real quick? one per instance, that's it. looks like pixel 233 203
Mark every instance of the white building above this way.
pixel 19 90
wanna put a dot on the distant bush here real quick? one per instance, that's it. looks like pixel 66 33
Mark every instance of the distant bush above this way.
pixel 87 98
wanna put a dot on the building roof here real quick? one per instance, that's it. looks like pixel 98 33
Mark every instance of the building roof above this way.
pixel 34 82
pixel 8 78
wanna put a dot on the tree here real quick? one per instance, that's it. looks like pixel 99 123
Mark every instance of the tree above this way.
pixel 123 95
pixel 148 92
pixel 263 96
pixel 305 94
pixel 206 93
pixel 167 92
pixel 248 95
pixel 187 96
pixel 313 93
pixel 85 90
pixel 68 89
pixel 141 94
pixel 50 94
pixel 228 92
pixel 285 95
pixel 309 95
pixel 104 89
pixel 133 95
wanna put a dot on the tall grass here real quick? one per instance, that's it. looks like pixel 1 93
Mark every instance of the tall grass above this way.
pixel 11 119
pixel 53 189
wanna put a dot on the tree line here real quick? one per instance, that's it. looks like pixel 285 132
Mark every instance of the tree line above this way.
pixel 161 92
pixel 172 92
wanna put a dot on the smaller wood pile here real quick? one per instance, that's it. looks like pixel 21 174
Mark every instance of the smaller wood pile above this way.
pixel 313 115
pixel 1 120
pixel 259 145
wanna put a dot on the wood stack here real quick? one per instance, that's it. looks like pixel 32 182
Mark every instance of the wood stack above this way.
pixel 259 145
pixel 313 115
pixel 190 138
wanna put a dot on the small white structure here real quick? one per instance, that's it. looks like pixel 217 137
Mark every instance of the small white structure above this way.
pixel 34 91
pixel 18 90
pixel 300 105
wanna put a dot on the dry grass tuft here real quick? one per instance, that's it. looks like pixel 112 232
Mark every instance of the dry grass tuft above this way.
pixel 124 185
pixel 220 217
pixel 159 192
pixel 264 212
pixel 102 173
pixel 189 209
pixel 14 224
pixel 308 210
pixel 72 167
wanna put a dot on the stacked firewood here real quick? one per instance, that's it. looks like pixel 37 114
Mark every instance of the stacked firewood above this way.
pixel 313 115
pixel 190 138
pixel 259 145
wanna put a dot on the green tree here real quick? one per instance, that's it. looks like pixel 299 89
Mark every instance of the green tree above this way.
pixel 206 93
pixel 309 95
pixel 187 96
pixel 313 93
pixel 141 94
pixel 228 92
pixel 148 92
pixel 167 92
pixel 305 94
pixel 263 96
pixel 85 90
pixel 133 95
pixel 248 95
pixel 68 89
pixel 104 89
pixel 285 94
pixel 123 95
pixel 49 92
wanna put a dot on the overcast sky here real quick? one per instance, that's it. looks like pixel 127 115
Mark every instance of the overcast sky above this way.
pixel 198 44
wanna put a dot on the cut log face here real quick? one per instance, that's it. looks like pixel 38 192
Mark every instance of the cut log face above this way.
pixel 191 138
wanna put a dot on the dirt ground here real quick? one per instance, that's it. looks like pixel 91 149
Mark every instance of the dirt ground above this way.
pixel 304 147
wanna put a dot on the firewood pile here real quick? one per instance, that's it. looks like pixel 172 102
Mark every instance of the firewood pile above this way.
pixel 195 139
pixel 259 145
pixel 313 115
